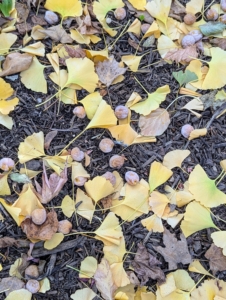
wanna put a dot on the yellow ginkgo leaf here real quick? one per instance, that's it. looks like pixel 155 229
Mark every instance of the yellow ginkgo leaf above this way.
pixel 133 99
pixel 32 147
pixel 138 4
pixel 152 102
pixel 60 78
pixel 54 242
pixel 196 67
pixel 195 211
pixel 21 294
pixel 35 49
pixel 132 61
pixel 78 171
pixel 44 285
pixel 13 211
pixel 58 163
pixel 86 294
pixel 219 239
pixel 54 60
pixel 6 41
pixel 69 8
pixel 6 121
pixel 127 293
pixel 158 175
pixel 196 267
pixel 175 295
pixel 115 253
pixel 4 186
pixel 104 117
pixel 204 189
pixel 196 133
pixel 153 30
pixel 68 206
pixel 223 164
pixel 158 203
pixel 123 133
pixel 91 103
pixel 78 68
pixel 88 267
pixel 215 78
pixel 172 29
pixel 153 223
pixel 120 277
pixel 165 44
pixel 168 286
pixel 102 7
pixel 104 189
pixel 134 204
pixel 175 158
pixel 194 7
pixel 97 56
pixel 183 280
pixel 33 78
pixel 159 9
pixel 68 96
pixel 174 220
pixel 179 197
pixel 109 231
pixel 86 207
pixel 80 38
pixel 210 289
pixel 135 27
pixel 6 93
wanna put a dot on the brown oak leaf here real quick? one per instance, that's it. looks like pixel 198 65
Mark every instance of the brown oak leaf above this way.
pixel 41 232
pixel 216 258
pixel 182 55
pixel 175 251
pixel 146 266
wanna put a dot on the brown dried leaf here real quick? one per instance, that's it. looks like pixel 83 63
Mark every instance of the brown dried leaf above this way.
pixel 219 43
pixel 48 138
pixel 10 284
pixel 22 12
pixel 177 8
pixel 50 187
pixel 75 52
pixel 155 123
pixel 41 232
pixel 175 251
pixel 4 20
pixel 104 280
pixel 15 63
pixel 147 17
pixel 57 34
pixel 38 20
pixel 7 242
pixel 146 266
pixel 109 70
pixel 182 55
pixel 134 45
pixel 216 258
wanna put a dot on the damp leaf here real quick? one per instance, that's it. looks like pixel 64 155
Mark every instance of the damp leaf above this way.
pixel 182 55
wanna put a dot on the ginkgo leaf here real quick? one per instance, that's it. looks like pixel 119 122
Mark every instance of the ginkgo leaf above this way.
pixel 183 281
pixel 6 41
pixel 153 223
pixel 135 27
pixel 13 211
pixel 204 189
pixel 109 231
pixel 134 204
pixel 69 8
pixel 165 44
pixel 158 203
pixel 196 133
pixel 4 186
pixel 104 189
pixel 152 102
pixel 177 294
pixel 167 287
pixel 78 68
pixel 44 285
pixel 153 30
pixel 159 9
pixel 223 164
pixel 219 239
pixel 91 103
pixel 120 277
pixel 132 61
pixel 54 242
pixel 196 104
pixel 86 207
pixel 21 294
pixel 179 197
pixel 104 117
pixel 210 289
pixel 158 175
pixel 215 78
pixel 68 206
pixel 196 267
pixel 102 7
pixel 86 294
pixel 6 93
pixel 32 147
pixel 58 163
pixel 88 267
pixel 33 78
pixel 6 121
pixel 115 253
pixel 78 171
pixel 195 211
pixel 175 158
pixel 35 49
pixel 138 4
pixel 194 6
pixel 184 77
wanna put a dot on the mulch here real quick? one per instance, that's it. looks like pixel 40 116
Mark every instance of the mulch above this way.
pixel 207 151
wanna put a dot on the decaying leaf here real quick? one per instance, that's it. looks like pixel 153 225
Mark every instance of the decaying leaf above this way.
pixel 155 123
pixel 9 242
pixel 216 259
pixel 52 186
pixel 109 70
pixel 15 63
pixel 48 138
pixel 182 55
pixel 10 284
pixel 104 280
pixel 213 99
pixel 57 34
pixel 175 251
pixel 147 266
pixel 219 42
pixel 41 232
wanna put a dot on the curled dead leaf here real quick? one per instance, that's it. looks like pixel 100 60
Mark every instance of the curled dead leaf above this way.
pixel 15 63
pixel 182 55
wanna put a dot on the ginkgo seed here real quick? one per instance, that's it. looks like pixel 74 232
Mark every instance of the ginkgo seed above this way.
pixel 80 180
pixel 212 14
pixel 120 13
pixel 80 112
pixel 51 17
pixel 33 286
pixel 132 178
pixel 77 154
pixel 32 271
pixel 64 226
pixel 121 112
pixel 145 27
pixel 116 161
pixel 106 145
pixel 189 19
pixel 111 177
pixel 186 130
pixel 6 164
pixel 38 216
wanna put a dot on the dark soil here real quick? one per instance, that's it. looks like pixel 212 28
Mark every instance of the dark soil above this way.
pixel 207 151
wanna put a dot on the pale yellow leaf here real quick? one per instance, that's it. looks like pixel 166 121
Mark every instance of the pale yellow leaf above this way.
pixel 6 121
pixel 6 41
pixel 68 206
pixel 54 60
pixel 213 289
pixel 165 44
pixel 158 203
pixel 54 242
pixel 219 239
pixel 21 294
pixel 158 175
pixel 69 8
pixel 115 253
pixel 35 49
pixel 85 294
pixel 138 4
pixel 159 9
pixel 88 267
pixel 80 38
pixel 6 93
pixel 132 61
pixel 4 186
pixel 196 267
pixel 135 27
pixel 133 99
pixel 196 133
pixel 86 208
pixel 78 171
pixel 102 7
pixel 223 164
pixel 183 281
pixel 58 163
pixel 175 158
pixel 120 277
pixel 91 103
pixel 104 189
pixel 153 223
pixel 33 78
pixel 167 287
pixel 193 6
pixel 44 285
pixel 176 295
pixel 153 30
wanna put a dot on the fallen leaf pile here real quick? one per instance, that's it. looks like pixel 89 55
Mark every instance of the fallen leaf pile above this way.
pixel 181 35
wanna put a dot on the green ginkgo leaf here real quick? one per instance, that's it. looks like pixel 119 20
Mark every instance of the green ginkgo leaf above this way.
pixel 185 77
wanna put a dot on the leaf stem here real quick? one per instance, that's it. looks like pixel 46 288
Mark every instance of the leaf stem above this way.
pixel 141 85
